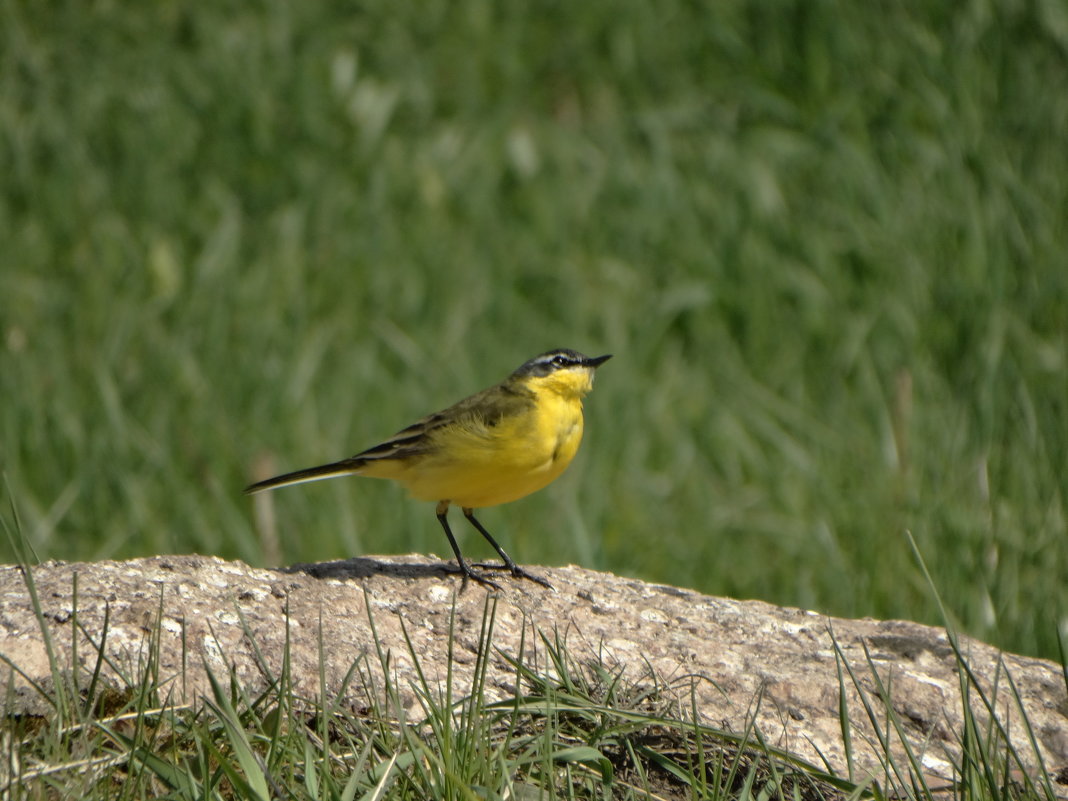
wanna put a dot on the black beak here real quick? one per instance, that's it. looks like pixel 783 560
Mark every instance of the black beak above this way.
pixel 598 360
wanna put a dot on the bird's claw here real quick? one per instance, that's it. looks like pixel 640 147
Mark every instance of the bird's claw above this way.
pixel 517 572
pixel 467 573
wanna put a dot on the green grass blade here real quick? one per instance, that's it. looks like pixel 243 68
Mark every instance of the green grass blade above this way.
pixel 253 775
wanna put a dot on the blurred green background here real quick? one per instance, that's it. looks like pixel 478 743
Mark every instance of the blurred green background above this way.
pixel 826 242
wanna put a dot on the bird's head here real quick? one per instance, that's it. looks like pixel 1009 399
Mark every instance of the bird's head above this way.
pixel 567 372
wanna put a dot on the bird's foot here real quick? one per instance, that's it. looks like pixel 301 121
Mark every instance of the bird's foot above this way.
pixel 467 573
pixel 517 572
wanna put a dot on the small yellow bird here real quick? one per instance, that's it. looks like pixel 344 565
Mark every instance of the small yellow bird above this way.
pixel 496 446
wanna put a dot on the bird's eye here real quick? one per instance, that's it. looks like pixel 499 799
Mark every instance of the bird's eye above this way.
pixel 560 361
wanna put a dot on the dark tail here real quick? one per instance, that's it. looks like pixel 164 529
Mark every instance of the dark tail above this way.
pixel 342 468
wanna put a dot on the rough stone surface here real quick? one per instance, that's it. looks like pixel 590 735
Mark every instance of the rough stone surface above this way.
pixel 743 659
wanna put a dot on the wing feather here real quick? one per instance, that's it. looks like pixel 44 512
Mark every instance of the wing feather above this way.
pixel 475 415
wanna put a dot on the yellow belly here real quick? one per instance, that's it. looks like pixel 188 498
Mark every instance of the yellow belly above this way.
pixel 479 466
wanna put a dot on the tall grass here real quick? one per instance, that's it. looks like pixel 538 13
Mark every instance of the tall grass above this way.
pixel 824 240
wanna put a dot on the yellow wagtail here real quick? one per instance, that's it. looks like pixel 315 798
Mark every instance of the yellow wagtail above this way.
pixel 496 446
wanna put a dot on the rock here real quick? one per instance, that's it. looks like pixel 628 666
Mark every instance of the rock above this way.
pixel 744 659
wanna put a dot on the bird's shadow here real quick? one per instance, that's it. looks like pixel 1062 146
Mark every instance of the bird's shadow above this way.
pixel 359 567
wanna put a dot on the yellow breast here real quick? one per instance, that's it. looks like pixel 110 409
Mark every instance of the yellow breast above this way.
pixel 477 465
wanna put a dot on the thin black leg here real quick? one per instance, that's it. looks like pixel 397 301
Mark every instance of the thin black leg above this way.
pixel 465 570
pixel 509 565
